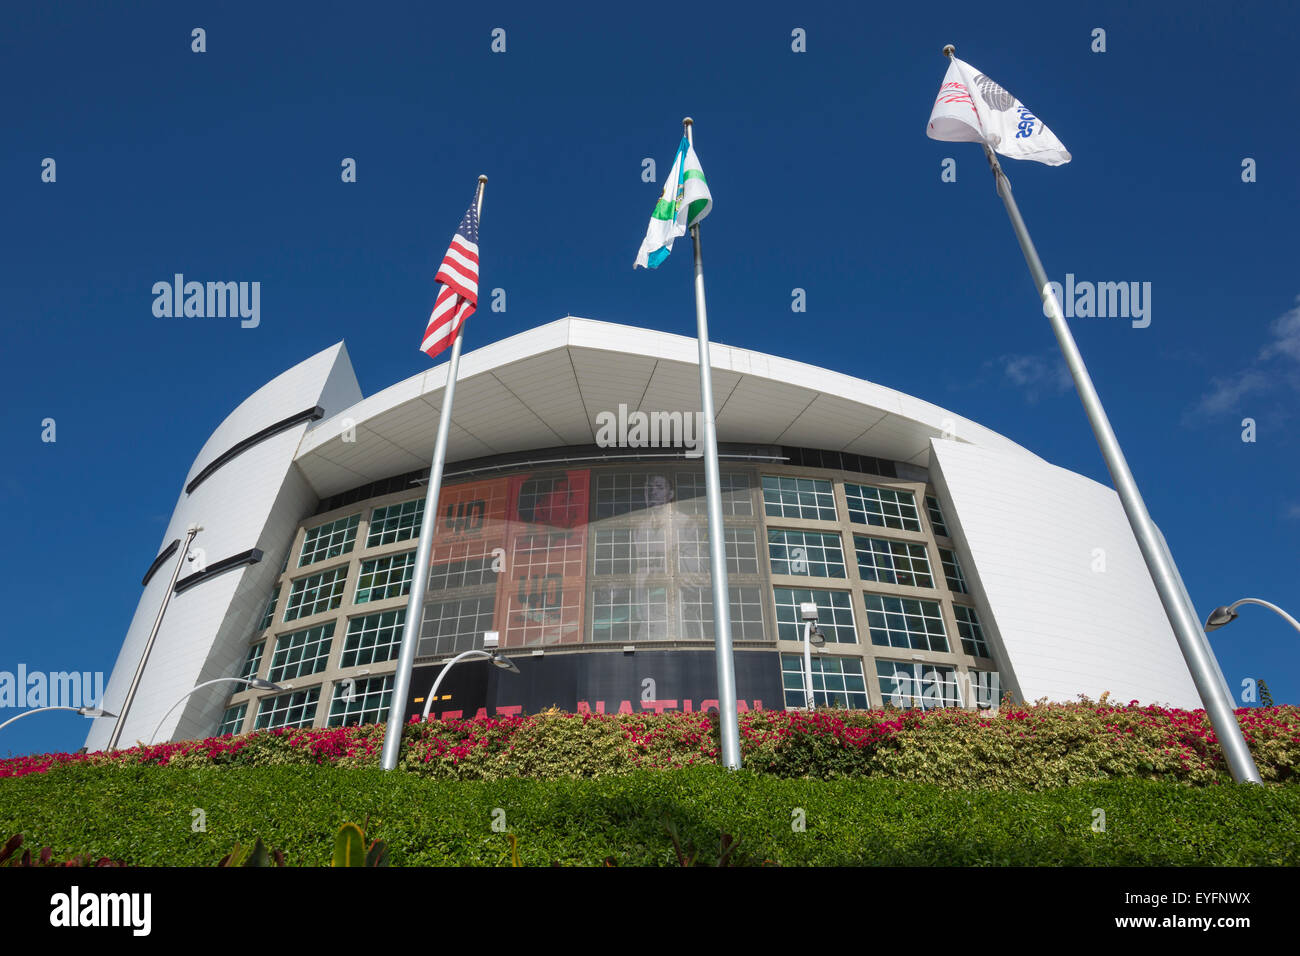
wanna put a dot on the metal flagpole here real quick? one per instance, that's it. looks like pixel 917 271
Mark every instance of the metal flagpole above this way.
pixel 1191 639
pixel 729 723
pixel 423 552
pixel 190 532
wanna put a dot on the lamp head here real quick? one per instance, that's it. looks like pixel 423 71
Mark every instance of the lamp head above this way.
pixel 505 663
pixel 260 684
pixel 816 637
pixel 1219 617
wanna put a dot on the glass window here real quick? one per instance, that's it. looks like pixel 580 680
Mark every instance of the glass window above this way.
pixel 808 498
pixel 630 551
pixel 836 682
pixel 985 689
pixel 294 709
pixel 834 614
pixel 885 507
pixel 315 594
pixel 386 577
pixel 252 661
pixel 451 627
pixel 917 684
pixel 374 638
pixel 972 635
pixel 360 700
pixel 906 622
pixel 936 516
pixel 629 614
pixel 692 494
pixel 232 721
pixel 473 571
pixel 746 607
pixel 329 540
pixel 395 523
pixel 620 494
pixel 301 653
pixel 952 571
pixel 893 562
pixel 806 552
pixel 740 545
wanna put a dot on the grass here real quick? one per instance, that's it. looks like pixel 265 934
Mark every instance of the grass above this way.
pixel 143 815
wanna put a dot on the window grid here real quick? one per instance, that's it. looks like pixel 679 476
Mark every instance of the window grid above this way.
pixel 294 709
pixel 386 577
pixel 893 562
pixel 619 494
pixel 692 494
pixel 232 721
pixel 395 523
pixel 301 653
pixel 629 551
pixel 985 689
pixel 740 546
pixel 917 684
pixel 906 622
pixel 885 507
pixel 472 570
pixel 952 571
pixel 936 516
pixel 328 540
pixel 252 661
pixel 836 682
pixel 806 552
pixel 745 604
pixel 807 498
pixel 317 593
pixel 451 627
pixel 834 619
pixel 373 639
pixel 360 701
pixel 629 614
pixel 972 635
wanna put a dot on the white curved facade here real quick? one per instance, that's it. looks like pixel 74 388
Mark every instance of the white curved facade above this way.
pixel 1026 533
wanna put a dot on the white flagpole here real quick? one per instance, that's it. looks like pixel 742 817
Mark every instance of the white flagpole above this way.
pixel 1187 630
pixel 729 725
pixel 423 553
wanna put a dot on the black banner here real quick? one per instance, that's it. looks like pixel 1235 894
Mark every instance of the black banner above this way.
pixel 600 682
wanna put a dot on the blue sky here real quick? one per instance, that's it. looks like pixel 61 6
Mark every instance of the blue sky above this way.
pixel 226 165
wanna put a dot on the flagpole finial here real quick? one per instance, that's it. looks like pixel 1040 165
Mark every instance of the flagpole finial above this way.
pixel 949 50
pixel 482 178
pixel 687 121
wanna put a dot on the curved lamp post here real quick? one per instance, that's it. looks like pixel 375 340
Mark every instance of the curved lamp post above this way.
pixel 502 662
pixel 1226 615
pixel 91 712
pixel 256 682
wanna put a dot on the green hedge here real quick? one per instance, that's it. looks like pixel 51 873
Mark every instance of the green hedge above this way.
pixel 143 815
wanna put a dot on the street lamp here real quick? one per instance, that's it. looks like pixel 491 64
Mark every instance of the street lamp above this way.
pixel 811 636
pixel 490 640
pixel 1226 615
pixel 91 712
pixel 255 682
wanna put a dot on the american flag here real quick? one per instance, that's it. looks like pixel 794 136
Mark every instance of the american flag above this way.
pixel 458 297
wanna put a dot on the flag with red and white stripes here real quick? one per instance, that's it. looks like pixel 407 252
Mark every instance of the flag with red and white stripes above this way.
pixel 458 297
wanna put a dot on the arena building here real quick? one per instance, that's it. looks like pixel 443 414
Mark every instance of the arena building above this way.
pixel 949 565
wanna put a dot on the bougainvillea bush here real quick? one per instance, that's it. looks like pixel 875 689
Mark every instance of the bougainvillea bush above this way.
pixel 1031 747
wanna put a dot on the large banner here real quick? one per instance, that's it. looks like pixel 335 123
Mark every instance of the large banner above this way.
pixel 599 682
pixel 543 593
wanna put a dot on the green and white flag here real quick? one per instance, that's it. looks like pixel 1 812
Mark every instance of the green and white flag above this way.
pixel 684 201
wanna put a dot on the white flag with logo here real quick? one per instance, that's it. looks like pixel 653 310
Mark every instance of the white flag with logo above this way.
pixel 971 108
